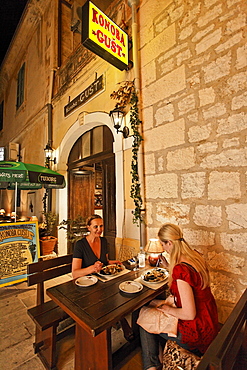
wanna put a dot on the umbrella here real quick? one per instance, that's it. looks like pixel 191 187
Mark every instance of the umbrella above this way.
pixel 19 175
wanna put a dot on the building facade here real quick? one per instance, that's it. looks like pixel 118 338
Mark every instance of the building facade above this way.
pixel 189 66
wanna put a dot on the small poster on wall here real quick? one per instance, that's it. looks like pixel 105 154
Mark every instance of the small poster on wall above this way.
pixel 19 246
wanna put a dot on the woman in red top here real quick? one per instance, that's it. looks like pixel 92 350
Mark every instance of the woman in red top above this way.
pixel 195 305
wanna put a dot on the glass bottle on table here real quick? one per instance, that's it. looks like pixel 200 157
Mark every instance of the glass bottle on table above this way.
pixel 141 257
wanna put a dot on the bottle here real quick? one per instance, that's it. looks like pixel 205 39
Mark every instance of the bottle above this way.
pixel 141 257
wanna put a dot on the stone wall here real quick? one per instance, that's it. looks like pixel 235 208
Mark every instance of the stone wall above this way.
pixel 194 58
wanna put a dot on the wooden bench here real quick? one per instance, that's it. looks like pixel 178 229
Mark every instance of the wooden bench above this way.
pixel 227 351
pixel 230 344
pixel 47 315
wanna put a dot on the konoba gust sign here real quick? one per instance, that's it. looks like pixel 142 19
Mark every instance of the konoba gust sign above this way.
pixel 102 36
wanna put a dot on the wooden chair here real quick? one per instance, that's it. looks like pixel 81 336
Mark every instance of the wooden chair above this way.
pixel 225 350
pixel 47 315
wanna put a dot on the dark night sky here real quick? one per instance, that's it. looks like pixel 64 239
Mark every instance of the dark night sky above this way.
pixel 10 13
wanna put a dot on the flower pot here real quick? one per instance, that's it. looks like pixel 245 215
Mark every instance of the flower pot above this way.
pixel 47 244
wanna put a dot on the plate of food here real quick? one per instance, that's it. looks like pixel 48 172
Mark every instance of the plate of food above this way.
pixel 130 287
pixel 85 281
pixel 111 270
pixel 156 275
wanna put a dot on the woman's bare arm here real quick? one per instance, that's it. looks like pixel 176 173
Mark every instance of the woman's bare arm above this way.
pixel 78 271
pixel 188 309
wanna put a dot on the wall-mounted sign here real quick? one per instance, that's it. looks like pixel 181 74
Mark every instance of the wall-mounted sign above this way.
pixel 102 36
pixel 19 246
pixel 84 96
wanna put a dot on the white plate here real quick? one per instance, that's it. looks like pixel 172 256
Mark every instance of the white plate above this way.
pixel 85 281
pixel 130 287
pixel 150 272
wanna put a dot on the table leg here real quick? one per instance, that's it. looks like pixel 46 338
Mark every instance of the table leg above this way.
pixel 92 353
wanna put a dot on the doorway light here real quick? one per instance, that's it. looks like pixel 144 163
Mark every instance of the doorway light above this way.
pixel 48 156
pixel 117 120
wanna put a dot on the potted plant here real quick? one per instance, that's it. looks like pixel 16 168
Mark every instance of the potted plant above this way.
pixel 75 229
pixel 47 240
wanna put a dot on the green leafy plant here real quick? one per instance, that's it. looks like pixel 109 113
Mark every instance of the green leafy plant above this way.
pixel 75 228
pixel 135 191
pixel 50 219
pixel 126 94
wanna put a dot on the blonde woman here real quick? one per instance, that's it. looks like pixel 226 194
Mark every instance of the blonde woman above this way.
pixel 195 306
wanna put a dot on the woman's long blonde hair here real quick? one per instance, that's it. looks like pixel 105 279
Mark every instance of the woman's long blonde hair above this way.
pixel 181 248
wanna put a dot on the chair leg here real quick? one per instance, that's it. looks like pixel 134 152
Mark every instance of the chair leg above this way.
pixel 45 346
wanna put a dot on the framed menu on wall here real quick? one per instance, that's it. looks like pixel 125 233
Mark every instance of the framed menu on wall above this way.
pixel 19 246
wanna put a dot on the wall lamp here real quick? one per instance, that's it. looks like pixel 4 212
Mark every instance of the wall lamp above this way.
pixel 117 119
pixel 48 156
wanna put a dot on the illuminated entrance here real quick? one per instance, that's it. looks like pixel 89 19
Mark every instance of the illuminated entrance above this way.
pixel 91 180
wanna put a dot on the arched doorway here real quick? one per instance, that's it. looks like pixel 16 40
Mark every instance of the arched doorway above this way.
pixel 91 180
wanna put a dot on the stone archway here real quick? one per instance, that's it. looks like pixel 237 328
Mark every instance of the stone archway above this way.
pixel 91 120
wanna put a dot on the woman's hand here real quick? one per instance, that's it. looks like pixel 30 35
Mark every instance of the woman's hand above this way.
pixel 163 262
pixel 97 266
pixel 164 308
pixel 170 300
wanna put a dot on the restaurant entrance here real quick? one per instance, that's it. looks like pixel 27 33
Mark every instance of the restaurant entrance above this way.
pixel 91 176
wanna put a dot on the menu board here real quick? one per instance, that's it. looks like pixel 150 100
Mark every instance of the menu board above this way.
pixel 19 246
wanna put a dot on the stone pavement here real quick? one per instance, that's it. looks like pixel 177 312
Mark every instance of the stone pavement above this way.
pixel 17 332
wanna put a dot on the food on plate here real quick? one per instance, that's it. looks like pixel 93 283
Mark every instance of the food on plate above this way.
pixel 112 269
pixel 155 275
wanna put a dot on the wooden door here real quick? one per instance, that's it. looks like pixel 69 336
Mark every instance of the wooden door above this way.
pixel 81 195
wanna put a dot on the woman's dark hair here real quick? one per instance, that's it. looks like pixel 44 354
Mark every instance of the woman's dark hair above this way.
pixel 91 218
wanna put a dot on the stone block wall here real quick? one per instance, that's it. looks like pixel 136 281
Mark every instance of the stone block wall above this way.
pixel 194 58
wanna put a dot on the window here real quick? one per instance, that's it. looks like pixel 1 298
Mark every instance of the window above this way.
pixel 20 86
pixel 94 142
pixel 1 116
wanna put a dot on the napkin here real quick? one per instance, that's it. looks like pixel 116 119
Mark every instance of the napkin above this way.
pixel 155 321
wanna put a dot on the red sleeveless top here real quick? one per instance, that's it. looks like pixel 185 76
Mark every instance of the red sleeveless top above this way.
pixel 200 332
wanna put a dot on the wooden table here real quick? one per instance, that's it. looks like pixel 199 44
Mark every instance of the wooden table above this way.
pixel 95 310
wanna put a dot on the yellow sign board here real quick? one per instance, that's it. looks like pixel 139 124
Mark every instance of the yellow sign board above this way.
pixel 102 36
pixel 19 246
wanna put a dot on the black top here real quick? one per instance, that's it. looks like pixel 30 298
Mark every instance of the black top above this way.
pixel 84 251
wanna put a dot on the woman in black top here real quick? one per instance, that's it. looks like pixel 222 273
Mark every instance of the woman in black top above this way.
pixel 90 253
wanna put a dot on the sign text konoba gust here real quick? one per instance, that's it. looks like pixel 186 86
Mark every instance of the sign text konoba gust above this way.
pixel 103 28
pixel 12 233
pixel 104 37
pixel 84 96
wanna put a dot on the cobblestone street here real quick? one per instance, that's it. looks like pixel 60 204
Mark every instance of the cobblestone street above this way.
pixel 17 332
